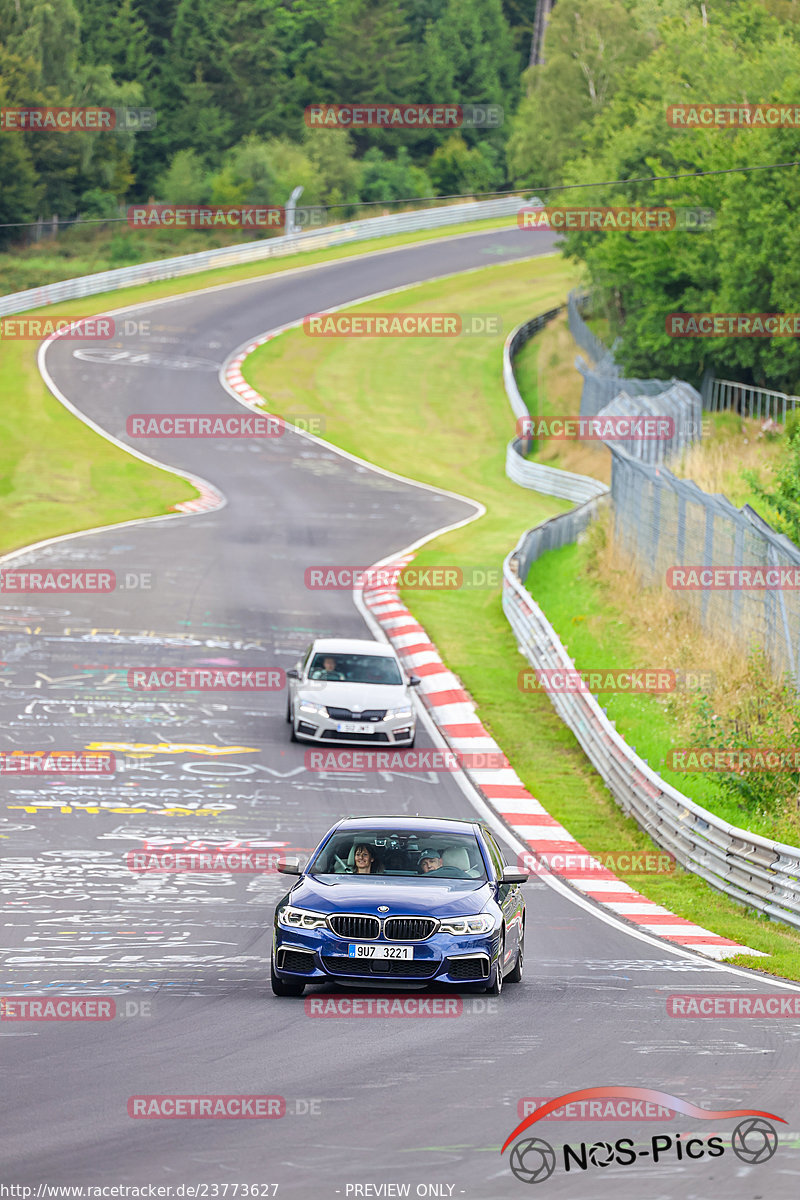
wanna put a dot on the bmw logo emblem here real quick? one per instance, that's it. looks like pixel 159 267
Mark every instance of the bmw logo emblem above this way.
pixel 383 908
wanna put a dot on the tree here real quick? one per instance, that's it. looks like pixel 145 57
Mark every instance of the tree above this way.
pixel 389 179
pixel 367 56
pixel 469 59
pixel 186 181
pixel 21 192
pixel 455 169
pixel 592 45
pixel 129 51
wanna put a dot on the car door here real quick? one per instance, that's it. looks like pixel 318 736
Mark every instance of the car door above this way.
pixel 509 897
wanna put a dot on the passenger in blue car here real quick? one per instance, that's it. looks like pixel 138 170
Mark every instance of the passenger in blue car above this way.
pixel 365 861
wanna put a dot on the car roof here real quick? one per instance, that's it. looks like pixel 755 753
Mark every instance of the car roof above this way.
pixel 353 646
pixel 404 821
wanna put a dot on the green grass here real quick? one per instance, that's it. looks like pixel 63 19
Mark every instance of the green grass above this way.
pixel 58 476
pixel 595 631
pixel 436 411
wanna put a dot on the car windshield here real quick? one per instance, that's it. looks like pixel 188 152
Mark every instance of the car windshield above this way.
pixel 406 853
pixel 355 668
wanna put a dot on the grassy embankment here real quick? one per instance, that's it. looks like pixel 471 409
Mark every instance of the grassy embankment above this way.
pixel 376 395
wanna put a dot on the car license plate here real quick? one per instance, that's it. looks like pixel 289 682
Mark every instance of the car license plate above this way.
pixel 354 727
pixel 364 951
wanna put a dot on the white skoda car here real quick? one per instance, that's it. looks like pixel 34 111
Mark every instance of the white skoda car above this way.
pixel 349 690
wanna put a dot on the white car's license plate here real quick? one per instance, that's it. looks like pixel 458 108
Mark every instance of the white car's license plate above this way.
pixel 365 951
pixel 354 727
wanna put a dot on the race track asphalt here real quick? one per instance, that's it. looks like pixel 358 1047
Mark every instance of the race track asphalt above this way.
pixel 423 1104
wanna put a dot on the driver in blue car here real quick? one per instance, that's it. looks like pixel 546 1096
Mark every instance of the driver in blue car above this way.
pixel 430 860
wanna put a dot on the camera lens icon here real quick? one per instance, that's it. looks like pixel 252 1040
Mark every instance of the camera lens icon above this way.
pixel 601 1154
pixel 533 1160
pixel 754 1140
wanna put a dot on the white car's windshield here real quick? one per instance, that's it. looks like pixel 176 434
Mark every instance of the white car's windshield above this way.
pixel 355 668
pixel 400 853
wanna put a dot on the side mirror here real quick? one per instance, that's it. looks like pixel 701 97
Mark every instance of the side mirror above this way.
pixel 289 866
pixel 414 681
pixel 510 876
pixel 293 673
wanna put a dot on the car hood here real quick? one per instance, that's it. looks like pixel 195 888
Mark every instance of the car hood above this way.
pixel 440 897
pixel 355 696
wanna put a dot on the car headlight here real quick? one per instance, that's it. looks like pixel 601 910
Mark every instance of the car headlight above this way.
pixel 301 918
pixel 483 923
pixel 403 713
pixel 308 706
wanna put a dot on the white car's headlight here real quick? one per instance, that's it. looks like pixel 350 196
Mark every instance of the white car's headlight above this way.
pixel 301 918
pixel 308 706
pixel 483 923
pixel 402 713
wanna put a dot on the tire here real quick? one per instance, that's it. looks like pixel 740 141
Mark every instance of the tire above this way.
pixel 410 745
pixel 495 987
pixel 283 987
pixel 516 975
pixel 288 712
pixel 292 734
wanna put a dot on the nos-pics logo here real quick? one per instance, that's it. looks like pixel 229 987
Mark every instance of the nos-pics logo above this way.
pixel 533 1160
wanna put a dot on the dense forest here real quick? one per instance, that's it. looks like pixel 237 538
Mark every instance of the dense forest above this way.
pixel 229 81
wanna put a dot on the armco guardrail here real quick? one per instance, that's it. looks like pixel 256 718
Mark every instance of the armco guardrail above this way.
pixel 752 870
pixel 550 480
pixel 725 395
pixel 229 256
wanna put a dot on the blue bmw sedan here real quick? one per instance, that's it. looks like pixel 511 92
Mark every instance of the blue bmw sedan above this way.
pixel 400 902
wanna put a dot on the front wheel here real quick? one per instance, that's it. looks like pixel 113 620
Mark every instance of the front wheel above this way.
pixel 516 975
pixel 495 988
pixel 285 987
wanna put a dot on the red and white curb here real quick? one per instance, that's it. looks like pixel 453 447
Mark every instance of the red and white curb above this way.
pixel 207 501
pixel 452 709
pixel 233 372
pixel 209 497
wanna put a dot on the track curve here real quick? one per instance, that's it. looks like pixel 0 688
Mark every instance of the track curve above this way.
pixel 420 1103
